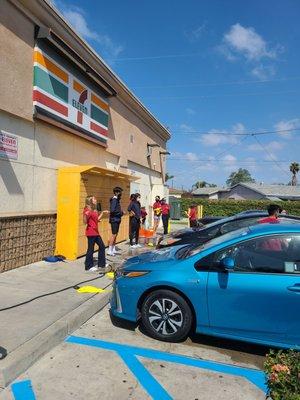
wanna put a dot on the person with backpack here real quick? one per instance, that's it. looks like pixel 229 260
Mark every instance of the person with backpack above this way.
pixel 115 217
pixel 91 217
pixel 134 210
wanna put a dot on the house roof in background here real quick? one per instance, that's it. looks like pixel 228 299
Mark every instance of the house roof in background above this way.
pixel 278 191
pixel 209 190
pixel 175 191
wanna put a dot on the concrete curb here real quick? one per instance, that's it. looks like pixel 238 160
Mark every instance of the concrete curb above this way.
pixel 28 353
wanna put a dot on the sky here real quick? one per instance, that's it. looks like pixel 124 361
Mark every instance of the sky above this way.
pixel 211 71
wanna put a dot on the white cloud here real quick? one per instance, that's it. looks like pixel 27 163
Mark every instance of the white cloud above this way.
pixel 272 147
pixel 190 111
pixel 285 126
pixel 238 128
pixel 192 156
pixel 77 18
pixel 252 166
pixel 244 43
pixel 189 156
pixel 229 162
pixel 248 43
pixel 186 128
pixel 263 71
pixel 217 137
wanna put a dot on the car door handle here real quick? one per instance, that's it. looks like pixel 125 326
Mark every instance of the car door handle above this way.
pixel 295 288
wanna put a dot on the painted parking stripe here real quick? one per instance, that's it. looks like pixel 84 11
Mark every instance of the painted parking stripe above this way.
pixel 150 384
pixel 256 377
pixel 23 390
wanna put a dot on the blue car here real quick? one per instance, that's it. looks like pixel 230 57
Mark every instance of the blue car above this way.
pixel 244 285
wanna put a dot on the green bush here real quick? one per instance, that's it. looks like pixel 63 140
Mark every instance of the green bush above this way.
pixel 283 375
pixel 229 207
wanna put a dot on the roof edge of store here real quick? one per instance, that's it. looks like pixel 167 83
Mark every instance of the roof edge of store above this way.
pixel 43 11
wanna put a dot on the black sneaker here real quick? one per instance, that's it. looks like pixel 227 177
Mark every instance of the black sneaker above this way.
pixel 3 353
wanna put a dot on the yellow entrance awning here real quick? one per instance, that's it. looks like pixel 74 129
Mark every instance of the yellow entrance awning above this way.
pixel 94 169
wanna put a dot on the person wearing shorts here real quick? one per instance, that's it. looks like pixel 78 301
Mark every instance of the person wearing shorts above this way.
pixel 115 217
pixel 157 212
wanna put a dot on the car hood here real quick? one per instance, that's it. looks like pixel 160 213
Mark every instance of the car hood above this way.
pixel 143 260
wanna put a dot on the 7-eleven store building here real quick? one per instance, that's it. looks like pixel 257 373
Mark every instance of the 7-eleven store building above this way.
pixel 69 127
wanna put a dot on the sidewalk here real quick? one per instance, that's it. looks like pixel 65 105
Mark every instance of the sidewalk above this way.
pixel 30 330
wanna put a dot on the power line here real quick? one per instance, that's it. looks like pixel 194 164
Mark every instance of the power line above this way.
pixel 208 84
pixel 218 95
pixel 281 131
pixel 270 155
pixel 157 57
pixel 227 161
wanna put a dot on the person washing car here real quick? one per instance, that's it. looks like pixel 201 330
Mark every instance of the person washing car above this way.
pixel 91 217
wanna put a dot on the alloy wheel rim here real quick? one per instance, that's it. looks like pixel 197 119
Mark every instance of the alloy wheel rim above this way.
pixel 165 316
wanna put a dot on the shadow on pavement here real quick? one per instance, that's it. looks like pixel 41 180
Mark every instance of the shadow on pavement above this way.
pixel 237 350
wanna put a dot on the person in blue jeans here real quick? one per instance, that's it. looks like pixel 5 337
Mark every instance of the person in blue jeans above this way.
pixel 91 217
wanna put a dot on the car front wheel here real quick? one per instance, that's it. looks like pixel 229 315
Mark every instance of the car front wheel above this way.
pixel 166 316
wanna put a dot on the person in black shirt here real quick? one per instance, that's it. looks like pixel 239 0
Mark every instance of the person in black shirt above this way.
pixel 134 210
pixel 115 217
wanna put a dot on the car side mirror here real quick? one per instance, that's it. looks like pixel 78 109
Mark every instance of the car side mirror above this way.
pixel 227 263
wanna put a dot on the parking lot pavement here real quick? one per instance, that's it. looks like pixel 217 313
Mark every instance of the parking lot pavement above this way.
pixel 101 360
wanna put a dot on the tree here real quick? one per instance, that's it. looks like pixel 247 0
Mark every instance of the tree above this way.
pixel 241 175
pixel 202 184
pixel 294 168
pixel 168 176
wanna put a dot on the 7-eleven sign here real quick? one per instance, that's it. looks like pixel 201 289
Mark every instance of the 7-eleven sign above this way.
pixel 81 103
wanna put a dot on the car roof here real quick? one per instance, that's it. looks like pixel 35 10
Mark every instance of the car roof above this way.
pixel 249 233
pixel 235 217
pixel 275 227
pixel 251 215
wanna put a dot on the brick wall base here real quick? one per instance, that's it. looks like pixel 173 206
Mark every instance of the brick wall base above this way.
pixel 26 239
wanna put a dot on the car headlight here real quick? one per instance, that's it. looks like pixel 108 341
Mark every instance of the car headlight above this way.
pixel 169 241
pixel 130 274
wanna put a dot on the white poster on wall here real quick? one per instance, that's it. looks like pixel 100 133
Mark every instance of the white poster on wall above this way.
pixel 8 145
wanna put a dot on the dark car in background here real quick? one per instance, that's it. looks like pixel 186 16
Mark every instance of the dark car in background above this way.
pixel 205 233
pixel 208 219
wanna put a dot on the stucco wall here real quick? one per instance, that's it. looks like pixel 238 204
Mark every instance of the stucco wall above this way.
pixel 16 43
pixel 29 183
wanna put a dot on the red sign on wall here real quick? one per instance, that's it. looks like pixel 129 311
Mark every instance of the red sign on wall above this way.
pixel 8 145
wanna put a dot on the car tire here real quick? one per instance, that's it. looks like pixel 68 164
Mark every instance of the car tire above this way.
pixel 166 316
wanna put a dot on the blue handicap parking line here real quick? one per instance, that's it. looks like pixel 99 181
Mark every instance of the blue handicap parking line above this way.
pixel 150 384
pixel 256 377
pixel 23 390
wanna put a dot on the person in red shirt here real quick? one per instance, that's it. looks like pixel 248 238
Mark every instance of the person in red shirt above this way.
pixel 192 214
pixel 272 244
pixel 165 214
pixel 273 211
pixel 91 217
pixel 157 212
pixel 143 215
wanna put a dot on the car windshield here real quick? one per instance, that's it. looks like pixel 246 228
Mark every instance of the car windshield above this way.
pixel 193 250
